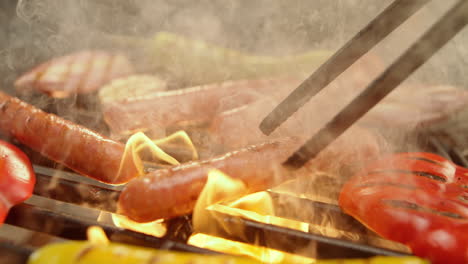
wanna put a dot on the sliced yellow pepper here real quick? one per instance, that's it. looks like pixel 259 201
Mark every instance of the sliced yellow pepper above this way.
pixel 75 252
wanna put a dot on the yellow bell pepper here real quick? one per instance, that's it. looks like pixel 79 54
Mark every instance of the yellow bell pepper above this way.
pixel 115 253
pixel 75 252
pixel 377 260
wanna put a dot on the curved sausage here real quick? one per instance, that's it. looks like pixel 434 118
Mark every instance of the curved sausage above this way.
pixel 77 147
pixel 157 111
pixel 173 192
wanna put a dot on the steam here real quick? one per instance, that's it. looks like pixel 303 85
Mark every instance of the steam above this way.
pixel 45 29
pixel 29 11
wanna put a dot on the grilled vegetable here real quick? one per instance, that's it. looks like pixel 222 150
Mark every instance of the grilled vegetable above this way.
pixel 133 86
pixel 17 177
pixel 81 72
pixel 377 260
pixel 84 252
pixel 419 199
pixel 195 62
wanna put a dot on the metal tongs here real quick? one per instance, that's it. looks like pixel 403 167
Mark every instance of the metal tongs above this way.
pixel 415 56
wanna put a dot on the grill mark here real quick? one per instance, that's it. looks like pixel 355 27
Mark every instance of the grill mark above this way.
pixel 463 198
pixel 4 105
pixel 38 76
pixel 107 72
pixel 464 186
pixel 154 260
pixel 424 159
pixel 83 253
pixel 416 207
pixel 418 173
pixel 375 184
pixel 88 67
pixel 66 75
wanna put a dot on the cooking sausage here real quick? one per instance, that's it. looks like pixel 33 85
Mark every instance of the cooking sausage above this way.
pixel 410 106
pixel 172 192
pixel 81 72
pixel 157 111
pixel 77 147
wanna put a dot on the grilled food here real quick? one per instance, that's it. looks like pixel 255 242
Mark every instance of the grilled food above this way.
pixel 163 109
pixel 173 192
pixel 133 86
pixel 17 178
pixel 84 252
pixel 77 147
pixel 418 199
pixel 78 73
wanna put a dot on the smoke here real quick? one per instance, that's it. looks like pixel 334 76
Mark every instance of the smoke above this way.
pixel 39 30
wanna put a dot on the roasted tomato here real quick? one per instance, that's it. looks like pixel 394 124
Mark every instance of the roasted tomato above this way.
pixel 418 199
pixel 17 177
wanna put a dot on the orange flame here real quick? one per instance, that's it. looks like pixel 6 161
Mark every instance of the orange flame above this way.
pixel 139 142
pixel 96 235
pixel 133 153
pixel 262 254
pixel 156 228
pixel 217 196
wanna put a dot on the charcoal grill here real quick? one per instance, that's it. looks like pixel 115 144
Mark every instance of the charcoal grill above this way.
pixel 65 204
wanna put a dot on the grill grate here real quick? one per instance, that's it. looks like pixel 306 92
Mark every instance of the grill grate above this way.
pixel 65 204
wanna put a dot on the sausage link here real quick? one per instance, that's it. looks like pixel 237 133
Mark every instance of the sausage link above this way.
pixel 174 191
pixel 77 147
pixel 159 110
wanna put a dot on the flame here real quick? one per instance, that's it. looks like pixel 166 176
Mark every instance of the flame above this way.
pixel 262 254
pixel 219 187
pixel 217 196
pixel 96 235
pixel 156 228
pixel 139 142
pixel 133 153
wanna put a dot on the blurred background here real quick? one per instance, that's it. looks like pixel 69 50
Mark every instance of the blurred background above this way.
pixel 33 31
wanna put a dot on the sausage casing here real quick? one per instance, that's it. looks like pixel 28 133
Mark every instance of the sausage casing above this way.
pixel 77 147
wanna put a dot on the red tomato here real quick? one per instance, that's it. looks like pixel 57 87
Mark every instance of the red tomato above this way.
pixel 418 199
pixel 17 177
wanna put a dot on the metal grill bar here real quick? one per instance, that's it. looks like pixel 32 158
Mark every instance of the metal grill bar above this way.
pixel 75 189
pixel 14 253
pixel 294 241
pixel 70 226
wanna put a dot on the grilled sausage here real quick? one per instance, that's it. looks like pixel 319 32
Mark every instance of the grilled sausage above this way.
pixel 162 109
pixel 173 192
pixel 77 147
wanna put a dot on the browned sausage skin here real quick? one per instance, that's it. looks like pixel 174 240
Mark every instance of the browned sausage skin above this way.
pixel 159 110
pixel 173 192
pixel 77 147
